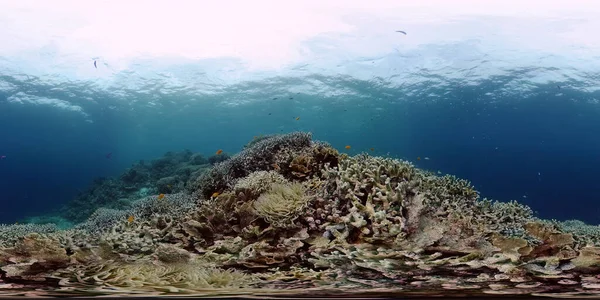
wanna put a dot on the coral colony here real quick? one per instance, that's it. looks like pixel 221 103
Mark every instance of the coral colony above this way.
pixel 289 215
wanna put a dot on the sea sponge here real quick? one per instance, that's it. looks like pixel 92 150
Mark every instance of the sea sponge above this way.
pixel 282 203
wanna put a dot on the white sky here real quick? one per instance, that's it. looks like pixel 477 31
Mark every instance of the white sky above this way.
pixel 138 43
pixel 266 32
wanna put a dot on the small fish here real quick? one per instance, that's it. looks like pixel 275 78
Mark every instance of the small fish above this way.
pixel 215 195
pixel 108 155
pixel 130 219
pixel 372 149
pixel 400 31
pixel 298 118
pixel 418 158
pixel 160 196
pixel 269 114
pixel 347 147
pixel 558 86
pixel 3 157
pixel 219 152
pixel 426 158
pixel 95 66
pixel 276 166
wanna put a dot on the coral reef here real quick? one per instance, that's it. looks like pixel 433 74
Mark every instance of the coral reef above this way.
pixel 292 214
pixel 166 175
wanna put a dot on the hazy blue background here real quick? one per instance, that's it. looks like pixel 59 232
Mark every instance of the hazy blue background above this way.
pixel 503 95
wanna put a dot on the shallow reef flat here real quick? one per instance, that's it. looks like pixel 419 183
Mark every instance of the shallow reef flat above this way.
pixel 292 217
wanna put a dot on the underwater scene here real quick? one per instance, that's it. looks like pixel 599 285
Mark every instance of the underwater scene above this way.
pixel 278 149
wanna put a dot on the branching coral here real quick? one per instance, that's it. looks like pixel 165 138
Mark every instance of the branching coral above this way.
pixel 10 234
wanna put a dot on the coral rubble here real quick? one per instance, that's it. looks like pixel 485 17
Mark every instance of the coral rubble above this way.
pixel 289 214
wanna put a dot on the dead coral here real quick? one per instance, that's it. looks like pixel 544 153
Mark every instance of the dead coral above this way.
pixel 34 254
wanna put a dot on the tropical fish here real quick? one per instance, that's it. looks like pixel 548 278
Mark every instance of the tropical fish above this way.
pixel 418 158
pixel 298 118
pixel 400 31
pixel 372 149
pixel 215 195
pixel 160 196
pixel 276 167
pixel 347 147
pixel 219 152
pixel 130 219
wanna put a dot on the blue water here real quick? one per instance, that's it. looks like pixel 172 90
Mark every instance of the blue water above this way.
pixel 542 151
pixel 512 108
